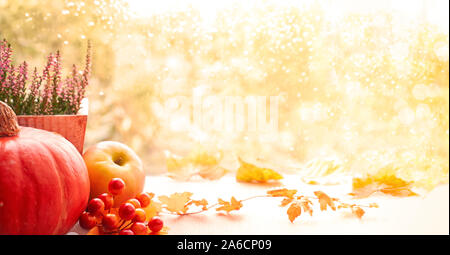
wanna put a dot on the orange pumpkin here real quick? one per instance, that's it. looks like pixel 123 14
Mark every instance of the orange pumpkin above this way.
pixel 44 182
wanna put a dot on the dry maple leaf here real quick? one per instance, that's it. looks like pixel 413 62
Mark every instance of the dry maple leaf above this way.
pixel 289 193
pixel 358 211
pixel 153 209
pixel 294 211
pixel 286 201
pixel 250 173
pixel 203 203
pixel 383 181
pixel 306 206
pixel 177 202
pixel 324 201
pixel 229 206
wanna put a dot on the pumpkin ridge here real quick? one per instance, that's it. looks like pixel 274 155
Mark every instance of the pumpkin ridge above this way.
pixel 57 169
pixel 69 169
pixel 43 220
pixel 30 196
pixel 12 203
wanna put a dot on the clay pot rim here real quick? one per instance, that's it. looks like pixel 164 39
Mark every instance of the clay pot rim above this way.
pixel 58 115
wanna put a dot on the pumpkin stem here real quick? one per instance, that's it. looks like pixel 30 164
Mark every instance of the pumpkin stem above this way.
pixel 8 121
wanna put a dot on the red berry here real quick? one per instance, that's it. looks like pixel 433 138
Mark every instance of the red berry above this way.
pixel 127 211
pixel 139 228
pixel 140 215
pixel 134 202
pixel 87 220
pixel 96 206
pixel 107 199
pixel 156 224
pixel 144 199
pixel 115 186
pixel 110 221
pixel 126 232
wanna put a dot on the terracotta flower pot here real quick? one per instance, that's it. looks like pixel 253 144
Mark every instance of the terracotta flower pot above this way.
pixel 71 127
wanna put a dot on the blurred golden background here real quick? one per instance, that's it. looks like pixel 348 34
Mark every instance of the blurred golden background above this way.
pixel 364 84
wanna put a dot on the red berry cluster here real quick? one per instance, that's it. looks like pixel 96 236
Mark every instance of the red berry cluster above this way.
pixel 129 219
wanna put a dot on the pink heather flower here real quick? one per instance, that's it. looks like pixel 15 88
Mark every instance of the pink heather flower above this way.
pixel 5 55
pixel 48 89
pixel 45 94
pixel 70 91
pixel 74 83
pixel 56 78
pixel 11 80
pixel 87 69
pixel 35 83
pixel 86 75
pixel 22 76
pixel 5 65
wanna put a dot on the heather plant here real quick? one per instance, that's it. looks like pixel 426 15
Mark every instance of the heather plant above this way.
pixel 46 93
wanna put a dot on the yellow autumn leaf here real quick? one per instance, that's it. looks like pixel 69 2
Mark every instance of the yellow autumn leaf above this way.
pixel 153 209
pixel 306 206
pixel 233 205
pixel 250 173
pixel 384 181
pixel 289 193
pixel 203 203
pixel 286 201
pixel 201 157
pixel 177 202
pixel 324 201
